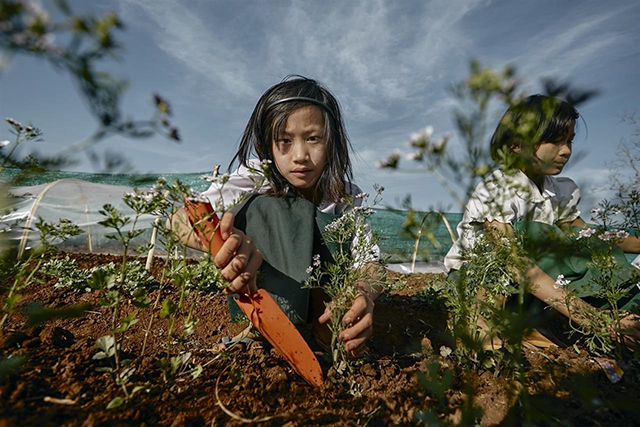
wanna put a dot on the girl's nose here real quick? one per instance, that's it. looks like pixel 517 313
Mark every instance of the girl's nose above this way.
pixel 300 151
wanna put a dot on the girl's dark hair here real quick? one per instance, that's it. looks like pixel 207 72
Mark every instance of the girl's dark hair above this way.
pixel 268 119
pixel 528 123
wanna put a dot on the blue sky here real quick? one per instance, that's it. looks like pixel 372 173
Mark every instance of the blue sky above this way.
pixel 388 62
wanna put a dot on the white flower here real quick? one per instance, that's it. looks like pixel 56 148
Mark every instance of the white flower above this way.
pixel 364 210
pixel 335 225
pixel 219 179
pixel 414 156
pixel 309 269
pixel 614 235
pixel 361 196
pixel 4 143
pixel 424 134
pixel 316 260
pixel 561 282
pixel 586 233
pixel 194 196
pixel 597 211
pixel 13 122
pixel 445 351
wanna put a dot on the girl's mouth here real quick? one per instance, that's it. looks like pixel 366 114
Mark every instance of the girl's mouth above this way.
pixel 301 171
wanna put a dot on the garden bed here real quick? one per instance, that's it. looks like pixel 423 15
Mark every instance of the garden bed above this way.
pixel 58 384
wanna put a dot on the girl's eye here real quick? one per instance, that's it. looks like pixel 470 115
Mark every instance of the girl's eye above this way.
pixel 314 138
pixel 284 141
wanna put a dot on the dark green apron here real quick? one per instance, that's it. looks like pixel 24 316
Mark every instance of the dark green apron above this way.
pixel 287 231
pixel 557 252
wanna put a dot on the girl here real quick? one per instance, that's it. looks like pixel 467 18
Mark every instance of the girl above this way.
pixel 533 143
pixel 297 133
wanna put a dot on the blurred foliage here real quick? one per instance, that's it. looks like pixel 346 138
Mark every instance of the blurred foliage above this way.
pixel 76 46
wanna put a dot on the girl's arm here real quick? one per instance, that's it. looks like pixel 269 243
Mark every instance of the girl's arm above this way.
pixel 183 231
pixel 630 244
pixel 543 289
pixel 238 258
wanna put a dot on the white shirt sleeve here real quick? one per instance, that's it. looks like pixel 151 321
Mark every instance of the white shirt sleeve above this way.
pixel 493 200
pixel 230 194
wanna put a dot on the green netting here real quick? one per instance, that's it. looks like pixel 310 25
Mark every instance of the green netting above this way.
pixel 78 197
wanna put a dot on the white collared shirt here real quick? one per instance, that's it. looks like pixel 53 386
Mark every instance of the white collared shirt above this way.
pixel 508 198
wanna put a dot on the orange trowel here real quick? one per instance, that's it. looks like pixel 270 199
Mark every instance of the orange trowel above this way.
pixel 259 307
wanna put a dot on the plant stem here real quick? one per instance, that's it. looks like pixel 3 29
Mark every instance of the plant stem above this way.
pixel 14 287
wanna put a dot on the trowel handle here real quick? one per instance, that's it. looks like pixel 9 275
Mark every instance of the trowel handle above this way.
pixel 205 223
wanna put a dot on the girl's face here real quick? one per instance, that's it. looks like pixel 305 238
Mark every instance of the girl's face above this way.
pixel 550 157
pixel 300 150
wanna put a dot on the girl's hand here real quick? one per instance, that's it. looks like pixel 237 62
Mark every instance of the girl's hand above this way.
pixel 238 258
pixel 630 330
pixel 359 323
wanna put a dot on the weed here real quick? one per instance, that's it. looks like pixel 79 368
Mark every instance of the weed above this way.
pixel 353 263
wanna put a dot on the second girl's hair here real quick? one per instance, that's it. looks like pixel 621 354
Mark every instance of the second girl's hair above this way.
pixel 270 116
pixel 535 119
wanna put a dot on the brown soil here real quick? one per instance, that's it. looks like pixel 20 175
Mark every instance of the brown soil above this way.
pixel 58 384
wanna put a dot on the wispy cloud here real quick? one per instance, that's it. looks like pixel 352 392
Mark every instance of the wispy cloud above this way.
pixel 560 52
pixel 378 52
pixel 184 34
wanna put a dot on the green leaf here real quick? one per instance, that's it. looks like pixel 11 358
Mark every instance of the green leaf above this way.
pixel 138 388
pixel 189 326
pixel 141 298
pixel 196 371
pixel 143 302
pixel 127 322
pixel 168 308
pixel 9 365
pixel 10 301
pixel 116 402
pixel 37 314
pixel 175 364
pixel 100 279
pixel 108 346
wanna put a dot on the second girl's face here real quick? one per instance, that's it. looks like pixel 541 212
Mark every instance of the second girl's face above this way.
pixel 551 157
pixel 300 150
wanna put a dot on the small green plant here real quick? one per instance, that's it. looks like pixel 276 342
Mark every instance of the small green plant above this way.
pixel 354 257
pixel 24 269
pixel 23 133
pixel 478 297
pixel 113 282
pixel 611 282
pixel 191 280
